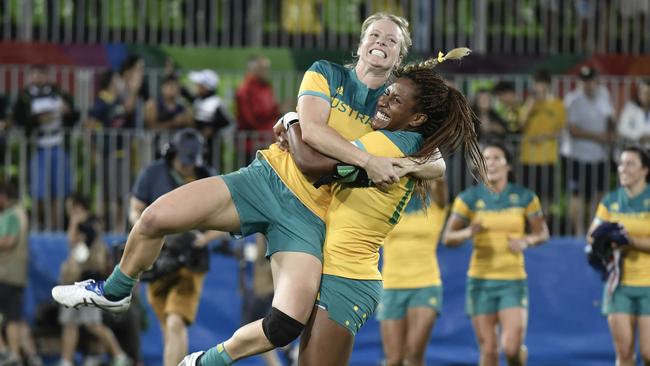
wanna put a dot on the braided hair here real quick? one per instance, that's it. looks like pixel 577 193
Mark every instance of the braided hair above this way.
pixel 450 123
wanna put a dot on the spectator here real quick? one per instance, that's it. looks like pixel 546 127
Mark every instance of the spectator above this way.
pixel 590 130
pixel 87 257
pixel 14 259
pixel 168 111
pixel 544 118
pixel 507 106
pixel 257 109
pixel 210 114
pixel 110 112
pixel 634 125
pixel 493 128
pixel 132 89
pixel 258 297
pixel 43 110
pixel 171 70
pixel 174 294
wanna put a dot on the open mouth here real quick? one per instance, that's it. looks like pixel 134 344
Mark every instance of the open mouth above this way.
pixel 382 116
pixel 378 53
pixel 381 120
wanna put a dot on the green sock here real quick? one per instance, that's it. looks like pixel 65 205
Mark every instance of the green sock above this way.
pixel 118 285
pixel 216 356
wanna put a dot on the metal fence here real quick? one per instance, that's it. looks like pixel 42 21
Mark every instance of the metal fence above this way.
pixel 486 26
pixel 103 165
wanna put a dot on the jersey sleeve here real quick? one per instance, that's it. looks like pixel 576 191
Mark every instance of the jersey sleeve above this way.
pixel 602 213
pixel 316 81
pixel 534 207
pixel 388 144
pixel 461 208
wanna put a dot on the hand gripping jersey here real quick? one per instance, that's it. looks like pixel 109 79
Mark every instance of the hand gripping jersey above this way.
pixel 634 215
pixel 352 105
pixel 502 215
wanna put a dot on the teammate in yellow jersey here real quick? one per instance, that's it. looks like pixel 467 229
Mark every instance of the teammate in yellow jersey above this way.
pixel 417 115
pixel 269 196
pixel 412 296
pixel 628 309
pixel 495 220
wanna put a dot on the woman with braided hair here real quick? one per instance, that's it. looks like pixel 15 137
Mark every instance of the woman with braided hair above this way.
pixel 416 117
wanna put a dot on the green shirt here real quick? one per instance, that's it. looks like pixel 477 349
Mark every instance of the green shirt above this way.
pixel 14 260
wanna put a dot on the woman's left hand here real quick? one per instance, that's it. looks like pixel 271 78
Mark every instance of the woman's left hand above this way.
pixel 517 245
pixel 281 135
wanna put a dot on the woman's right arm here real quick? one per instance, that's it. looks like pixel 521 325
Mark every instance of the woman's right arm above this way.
pixel 310 162
pixel 457 231
pixel 314 114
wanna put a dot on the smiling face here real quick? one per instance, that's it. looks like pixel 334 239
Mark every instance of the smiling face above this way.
pixel 396 109
pixel 381 44
pixel 496 163
pixel 630 169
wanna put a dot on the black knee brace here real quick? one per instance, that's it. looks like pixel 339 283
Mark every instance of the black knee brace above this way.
pixel 281 329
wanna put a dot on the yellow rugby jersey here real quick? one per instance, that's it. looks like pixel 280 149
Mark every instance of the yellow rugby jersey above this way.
pixel 546 118
pixel 358 219
pixel 352 105
pixel 409 258
pixel 502 214
pixel 634 215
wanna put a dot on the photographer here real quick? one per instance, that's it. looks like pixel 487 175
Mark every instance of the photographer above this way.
pixel 178 274
pixel 87 258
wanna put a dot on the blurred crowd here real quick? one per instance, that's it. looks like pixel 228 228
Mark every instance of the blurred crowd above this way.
pixel 571 141
pixel 124 103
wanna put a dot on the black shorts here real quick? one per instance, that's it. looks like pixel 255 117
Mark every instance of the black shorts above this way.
pixel 587 179
pixel 11 305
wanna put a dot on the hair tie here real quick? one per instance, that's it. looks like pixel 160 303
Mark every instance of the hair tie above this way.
pixel 441 57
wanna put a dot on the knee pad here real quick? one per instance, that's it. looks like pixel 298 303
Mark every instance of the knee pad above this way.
pixel 281 329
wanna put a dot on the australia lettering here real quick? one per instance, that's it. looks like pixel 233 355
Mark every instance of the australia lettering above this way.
pixel 343 107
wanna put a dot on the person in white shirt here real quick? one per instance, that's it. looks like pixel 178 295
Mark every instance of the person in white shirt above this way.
pixel 634 124
pixel 585 147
